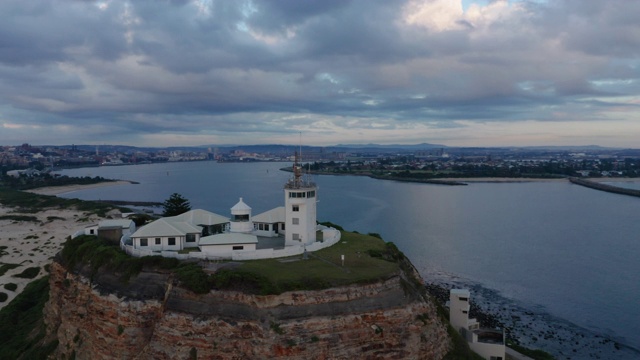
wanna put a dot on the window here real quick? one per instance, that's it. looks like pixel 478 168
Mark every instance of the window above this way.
pixel 295 236
pixel 238 247
pixel 158 241
pixel 260 226
pixel 266 227
pixel 311 194
pixel 191 238
pixel 240 217
pixel 172 241
pixel 295 208
pixel 465 312
pixel 297 194
pixel 463 299
pixel 143 242
pixel 92 232
pixel 295 221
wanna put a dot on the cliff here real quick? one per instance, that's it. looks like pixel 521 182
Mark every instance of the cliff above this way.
pixel 151 318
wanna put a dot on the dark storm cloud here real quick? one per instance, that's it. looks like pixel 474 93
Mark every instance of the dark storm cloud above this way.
pixel 147 67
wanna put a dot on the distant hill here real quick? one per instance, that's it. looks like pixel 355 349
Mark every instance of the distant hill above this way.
pixel 393 146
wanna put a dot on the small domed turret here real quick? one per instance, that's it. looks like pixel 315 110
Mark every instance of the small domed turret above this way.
pixel 241 218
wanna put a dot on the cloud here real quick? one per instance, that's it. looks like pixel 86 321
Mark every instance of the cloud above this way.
pixel 229 71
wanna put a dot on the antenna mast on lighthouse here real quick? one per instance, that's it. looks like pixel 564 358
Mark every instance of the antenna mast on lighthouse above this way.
pixel 297 171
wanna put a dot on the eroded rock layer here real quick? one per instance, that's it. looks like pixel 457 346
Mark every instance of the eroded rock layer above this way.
pixel 149 318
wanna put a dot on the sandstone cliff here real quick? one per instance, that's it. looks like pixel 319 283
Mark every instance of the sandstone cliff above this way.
pixel 150 318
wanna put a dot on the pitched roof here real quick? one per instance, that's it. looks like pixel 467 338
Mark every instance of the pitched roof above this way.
pixel 241 208
pixel 165 227
pixel 272 216
pixel 228 238
pixel 201 217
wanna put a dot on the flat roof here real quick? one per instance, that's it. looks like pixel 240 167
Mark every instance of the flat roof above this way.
pixel 227 239
pixel 460 292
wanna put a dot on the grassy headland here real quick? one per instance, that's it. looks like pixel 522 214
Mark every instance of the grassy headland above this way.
pixel 367 259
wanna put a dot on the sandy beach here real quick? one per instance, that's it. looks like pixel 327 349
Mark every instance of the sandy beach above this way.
pixel 57 190
pixel 33 244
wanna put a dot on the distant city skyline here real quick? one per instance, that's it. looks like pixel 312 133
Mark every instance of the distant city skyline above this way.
pixel 453 72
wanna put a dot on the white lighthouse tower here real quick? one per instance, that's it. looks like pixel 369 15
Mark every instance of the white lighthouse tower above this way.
pixel 300 208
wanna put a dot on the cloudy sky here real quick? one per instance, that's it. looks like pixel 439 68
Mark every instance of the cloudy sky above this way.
pixel 452 72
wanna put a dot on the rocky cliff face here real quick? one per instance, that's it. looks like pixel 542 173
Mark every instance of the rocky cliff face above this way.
pixel 149 318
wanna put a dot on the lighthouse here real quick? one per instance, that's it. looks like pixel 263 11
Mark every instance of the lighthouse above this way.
pixel 300 197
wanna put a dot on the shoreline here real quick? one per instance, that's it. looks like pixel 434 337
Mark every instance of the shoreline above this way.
pixel 502 180
pixel 58 190
pixel 532 327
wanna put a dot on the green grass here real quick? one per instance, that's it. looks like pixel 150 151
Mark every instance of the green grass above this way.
pixel 21 326
pixel 460 348
pixel 324 268
pixel 102 255
pixel 31 203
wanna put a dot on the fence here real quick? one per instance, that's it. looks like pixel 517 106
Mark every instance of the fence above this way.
pixel 330 237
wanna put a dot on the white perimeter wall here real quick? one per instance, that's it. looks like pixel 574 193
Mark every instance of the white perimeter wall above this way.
pixel 330 237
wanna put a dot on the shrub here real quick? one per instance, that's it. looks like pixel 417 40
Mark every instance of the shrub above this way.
pixel 21 326
pixel 276 328
pixel 6 267
pixel 11 286
pixel 3 297
pixel 19 218
pixel 29 273
pixel 192 277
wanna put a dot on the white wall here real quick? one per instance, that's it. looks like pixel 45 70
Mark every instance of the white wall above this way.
pixel 330 235
pixel 87 230
pixel 164 244
pixel 457 307
pixel 306 215
pixel 225 250
pixel 487 350
pixel 266 233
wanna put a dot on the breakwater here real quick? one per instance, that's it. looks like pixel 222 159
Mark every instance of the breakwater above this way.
pixel 605 187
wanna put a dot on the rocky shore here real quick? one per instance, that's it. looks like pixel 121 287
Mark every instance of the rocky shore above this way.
pixel 534 328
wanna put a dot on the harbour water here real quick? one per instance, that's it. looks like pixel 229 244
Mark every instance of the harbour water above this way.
pixel 549 252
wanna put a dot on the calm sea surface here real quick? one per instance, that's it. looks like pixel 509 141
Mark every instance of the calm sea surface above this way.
pixel 569 251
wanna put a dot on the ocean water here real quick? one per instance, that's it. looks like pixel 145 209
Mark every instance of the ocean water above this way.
pixel 565 253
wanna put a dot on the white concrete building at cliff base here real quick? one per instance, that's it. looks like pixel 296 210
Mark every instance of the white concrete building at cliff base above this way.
pixel 488 343
pixel 283 231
